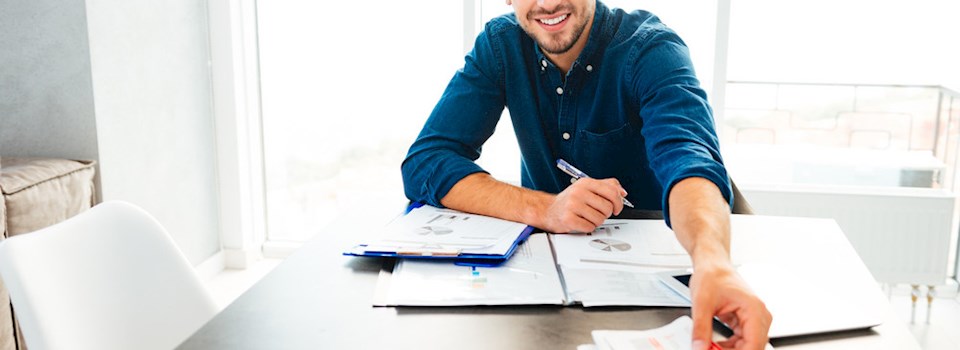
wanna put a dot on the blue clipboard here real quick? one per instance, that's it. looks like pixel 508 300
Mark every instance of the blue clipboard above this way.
pixel 465 259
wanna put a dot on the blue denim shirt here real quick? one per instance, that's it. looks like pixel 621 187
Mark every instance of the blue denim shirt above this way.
pixel 630 108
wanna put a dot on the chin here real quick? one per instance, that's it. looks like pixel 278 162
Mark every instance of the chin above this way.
pixel 554 46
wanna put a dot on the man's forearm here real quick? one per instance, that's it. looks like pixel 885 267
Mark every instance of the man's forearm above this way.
pixel 581 207
pixel 701 220
pixel 480 193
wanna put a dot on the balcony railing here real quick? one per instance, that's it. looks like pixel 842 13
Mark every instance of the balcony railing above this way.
pixel 843 134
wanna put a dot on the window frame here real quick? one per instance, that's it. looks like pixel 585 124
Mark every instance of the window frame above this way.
pixel 234 67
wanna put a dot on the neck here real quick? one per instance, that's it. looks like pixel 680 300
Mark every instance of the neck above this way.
pixel 564 61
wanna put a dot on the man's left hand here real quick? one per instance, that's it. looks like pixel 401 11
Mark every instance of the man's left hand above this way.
pixel 720 291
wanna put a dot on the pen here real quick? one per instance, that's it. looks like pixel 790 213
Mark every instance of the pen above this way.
pixel 577 174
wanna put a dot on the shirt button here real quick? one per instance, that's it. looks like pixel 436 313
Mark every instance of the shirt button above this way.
pixel 589 67
pixel 543 63
pixel 559 90
pixel 566 136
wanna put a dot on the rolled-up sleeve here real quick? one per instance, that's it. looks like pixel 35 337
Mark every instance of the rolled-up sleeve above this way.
pixel 678 126
pixel 466 116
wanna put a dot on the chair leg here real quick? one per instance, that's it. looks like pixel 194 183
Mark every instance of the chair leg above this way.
pixel 18 342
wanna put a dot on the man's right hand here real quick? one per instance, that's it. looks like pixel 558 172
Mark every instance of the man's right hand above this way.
pixel 583 206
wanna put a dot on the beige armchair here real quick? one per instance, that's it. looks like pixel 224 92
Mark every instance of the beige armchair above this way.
pixel 36 193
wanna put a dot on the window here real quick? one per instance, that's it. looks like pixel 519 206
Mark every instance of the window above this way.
pixel 838 93
pixel 345 89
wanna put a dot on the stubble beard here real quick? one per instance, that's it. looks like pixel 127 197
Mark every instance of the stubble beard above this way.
pixel 554 43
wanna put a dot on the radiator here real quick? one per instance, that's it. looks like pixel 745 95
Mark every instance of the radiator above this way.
pixel 902 234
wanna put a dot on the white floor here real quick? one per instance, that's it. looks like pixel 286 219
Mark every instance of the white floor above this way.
pixel 940 334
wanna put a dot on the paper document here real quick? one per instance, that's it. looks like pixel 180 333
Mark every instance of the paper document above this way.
pixel 675 336
pixel 616 264
pixel 593 287
pixel 439 229
pixel 625 245
pixel 678 335
pixel 529 277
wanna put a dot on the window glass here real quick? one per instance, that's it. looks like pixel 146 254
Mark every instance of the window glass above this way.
pixel 840 93
pixel 345 90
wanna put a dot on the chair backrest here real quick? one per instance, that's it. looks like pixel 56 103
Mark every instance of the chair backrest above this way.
pixel 740 204
pixel 108 278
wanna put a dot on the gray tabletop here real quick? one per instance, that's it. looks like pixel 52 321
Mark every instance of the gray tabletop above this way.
pixel 319 298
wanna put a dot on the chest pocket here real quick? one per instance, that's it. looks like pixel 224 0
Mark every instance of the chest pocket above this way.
pixel 617 153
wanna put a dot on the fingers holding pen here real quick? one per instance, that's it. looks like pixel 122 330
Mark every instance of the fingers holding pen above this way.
pixel 614 191
pixel 607 194
pixel 585 205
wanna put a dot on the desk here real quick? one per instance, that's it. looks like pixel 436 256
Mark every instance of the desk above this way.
pixel 318 298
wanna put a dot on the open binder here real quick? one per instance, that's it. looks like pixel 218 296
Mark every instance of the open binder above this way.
pixel 429 233
pixel 615 265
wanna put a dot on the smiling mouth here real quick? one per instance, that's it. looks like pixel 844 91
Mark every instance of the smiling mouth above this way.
pixel 553 21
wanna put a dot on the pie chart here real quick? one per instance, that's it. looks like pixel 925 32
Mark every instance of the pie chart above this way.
pixel 610 245
pixel 433 230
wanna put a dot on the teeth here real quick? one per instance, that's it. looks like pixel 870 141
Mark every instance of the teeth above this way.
pixel 552 21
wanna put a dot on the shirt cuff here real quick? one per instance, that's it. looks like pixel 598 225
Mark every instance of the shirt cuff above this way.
pixel 713 172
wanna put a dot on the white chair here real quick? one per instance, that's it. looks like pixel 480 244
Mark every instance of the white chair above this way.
pixel 108 278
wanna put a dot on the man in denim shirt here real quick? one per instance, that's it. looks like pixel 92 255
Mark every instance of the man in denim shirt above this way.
pixel 614 94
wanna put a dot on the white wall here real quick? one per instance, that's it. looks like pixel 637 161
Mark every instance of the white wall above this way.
pixel 46 97
pixel 151 84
